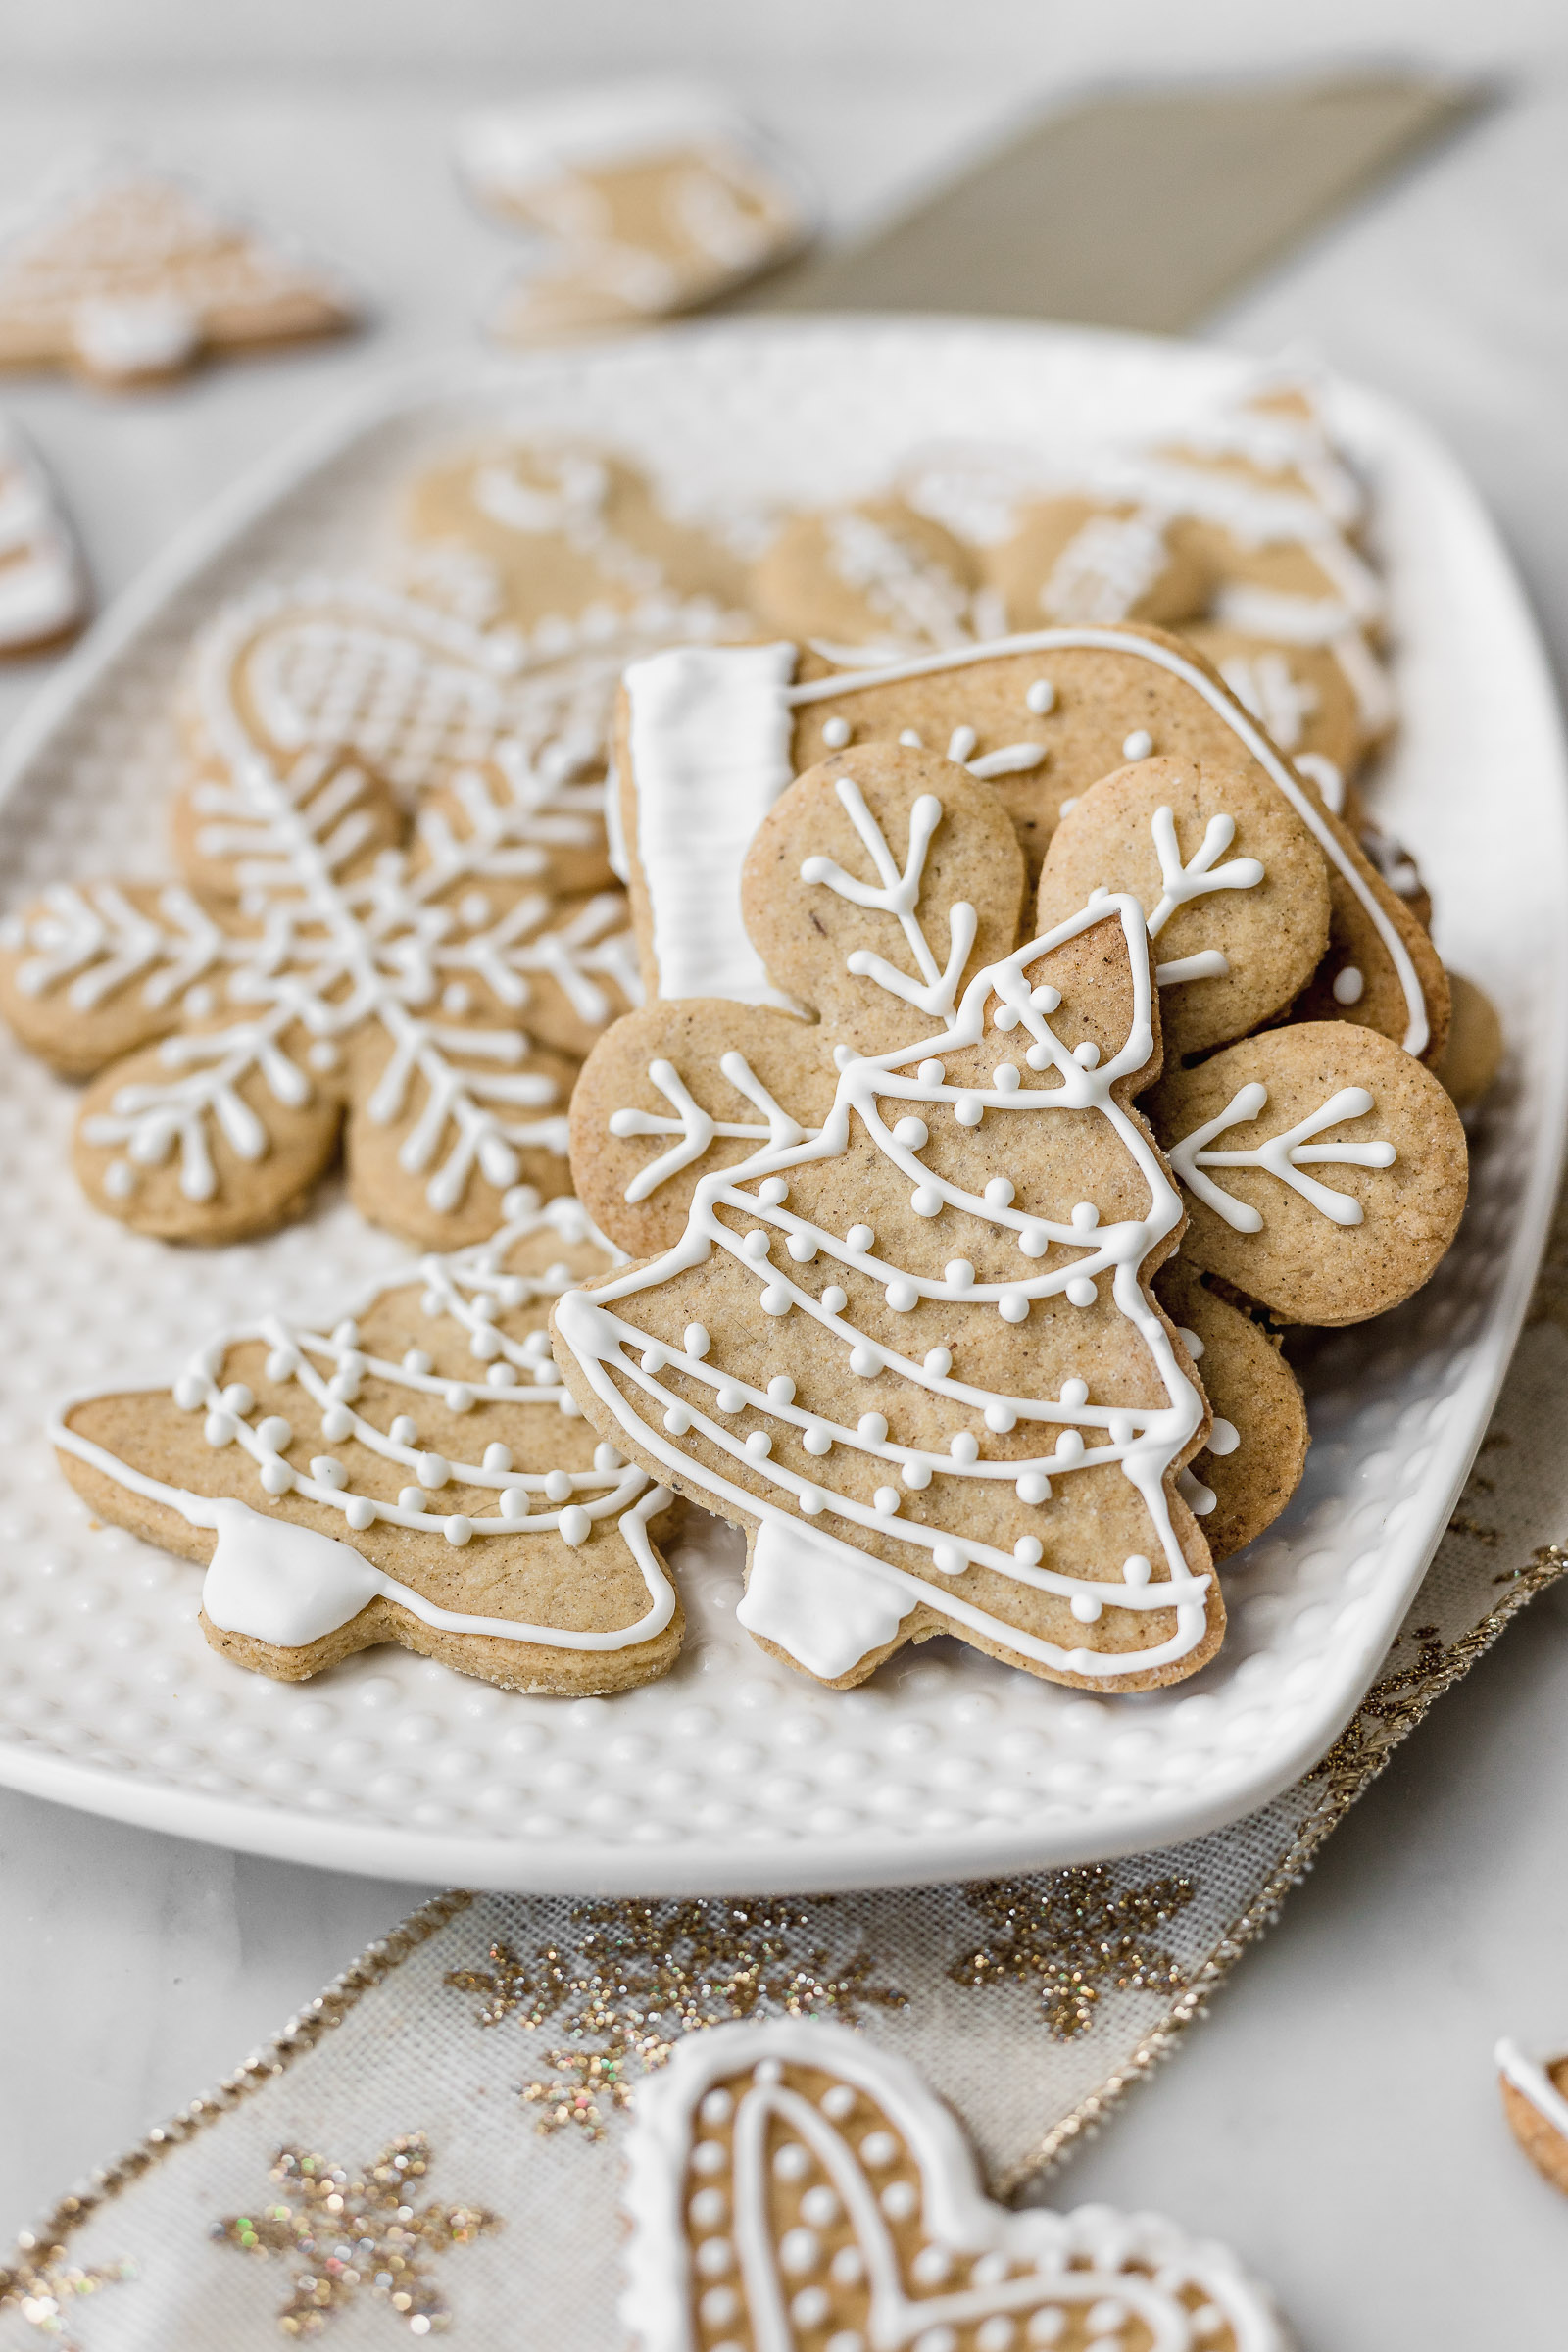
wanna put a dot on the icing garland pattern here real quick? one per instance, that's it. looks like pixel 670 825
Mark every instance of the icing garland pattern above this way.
pixel 288 1584
pixel 824 1599
pixel 789 2180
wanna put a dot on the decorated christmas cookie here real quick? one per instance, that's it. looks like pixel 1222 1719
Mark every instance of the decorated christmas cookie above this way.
pixel 414 1473
pixel 877 575
pixel 43 584
pixel 649 198
pixel 710 737
pixel 1081 558
pixel 1256 1447
pixel 1324 1169
pixel 542 534
pixel 1300 697
pixel 907 1341
pixel 317 979
pixel 1535 2101
pixel 129 276
pixel 790 2183
pixel 1234 887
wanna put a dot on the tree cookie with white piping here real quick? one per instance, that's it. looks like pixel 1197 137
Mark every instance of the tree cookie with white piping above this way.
pixel 788 2182
pixel 416 1473
pixel 907 1340
pixel 318 978
pixel 129 276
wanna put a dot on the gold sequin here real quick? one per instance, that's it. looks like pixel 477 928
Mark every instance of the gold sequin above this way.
pixel 351 2231
pixel 1076 1934
pixel 40 2285
pixel 639 1974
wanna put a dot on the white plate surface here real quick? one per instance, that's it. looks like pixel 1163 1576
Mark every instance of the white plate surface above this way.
pixel 735 1774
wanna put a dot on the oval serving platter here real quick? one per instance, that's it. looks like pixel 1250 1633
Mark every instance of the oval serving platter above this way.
pixel 733 1774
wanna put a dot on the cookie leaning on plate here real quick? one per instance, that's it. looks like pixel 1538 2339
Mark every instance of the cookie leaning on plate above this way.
pixel 415 1473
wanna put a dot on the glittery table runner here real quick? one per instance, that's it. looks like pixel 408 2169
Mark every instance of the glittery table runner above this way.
pixel 460 2089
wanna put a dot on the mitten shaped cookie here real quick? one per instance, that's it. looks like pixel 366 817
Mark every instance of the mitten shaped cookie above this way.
pixel 710 737
pixel 906 1338
pixel 790 2181
pixel 320 973
pixel 415 1473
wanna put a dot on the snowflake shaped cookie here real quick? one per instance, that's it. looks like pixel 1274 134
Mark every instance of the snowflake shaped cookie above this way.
pixel 413 1472
pixel 328 970
pixel 790 2183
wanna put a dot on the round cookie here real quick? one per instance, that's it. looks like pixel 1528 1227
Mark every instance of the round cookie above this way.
pixel 1081 558
pixel 875 573
pixel 1257 1449
pixel 1234 889
pixel 1324 1170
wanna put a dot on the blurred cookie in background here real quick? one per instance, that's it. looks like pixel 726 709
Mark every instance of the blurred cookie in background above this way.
pixel 44 595
pixel 647 199
pixel 129 276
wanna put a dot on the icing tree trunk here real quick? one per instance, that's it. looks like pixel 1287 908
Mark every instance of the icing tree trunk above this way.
pixel 914 1353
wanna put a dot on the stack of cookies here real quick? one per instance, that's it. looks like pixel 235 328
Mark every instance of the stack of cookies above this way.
pixel 1001 1024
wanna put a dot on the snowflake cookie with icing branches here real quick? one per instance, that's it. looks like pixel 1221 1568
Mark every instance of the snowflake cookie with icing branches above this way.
pixel 129 276
pixel 790 2183
pixel 414 1472
pixel 389 930
pixel 891 1314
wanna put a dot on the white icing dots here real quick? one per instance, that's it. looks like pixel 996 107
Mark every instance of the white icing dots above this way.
pixel 885 1501
pixel 1224 1438
pixel 836 733
pixel 879 2149
pixel 902 1295
pixel 965 1446
pixel 1136 1569
pixel 1138 745
pixel 1190 1341
pixel 835 1299
pixel 931 2267
pixel 697 1341
pixel 819 2206
pixel 914 1132
pixel 866 1361
pixel 1348 984
pixel 931 1073
pixel 1040 698
pixel 838 2102
pixel 714 2256
pixel 1033 1487
pixel 872 1428
pixel 968 1110
pixel 939 1362
pixel 791 2162
pixel 859 1238
pixel 710 2156
pixel 777 1298
pixel 799 2251
pixel 1081 1291
pixel 898 2201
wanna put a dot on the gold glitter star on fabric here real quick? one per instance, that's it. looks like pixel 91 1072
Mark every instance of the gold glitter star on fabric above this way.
pixel 40 2284
pixel 356 2231
pixel 1076 1934
pixel 636 1975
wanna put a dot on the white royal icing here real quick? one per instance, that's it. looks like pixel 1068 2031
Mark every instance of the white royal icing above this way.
pixel 710 752
pixel 1533 2082
pixel 289 1584
pixel 1101 2273
pixel 129 336
pixel 1283 1156
pixel 623 1362
pixel 510 149
pixel 43 588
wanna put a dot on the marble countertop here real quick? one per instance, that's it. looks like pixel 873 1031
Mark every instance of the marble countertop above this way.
pixel 1336 2117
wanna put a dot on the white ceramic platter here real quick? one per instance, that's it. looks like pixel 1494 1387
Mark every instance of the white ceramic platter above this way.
pixel 734 1774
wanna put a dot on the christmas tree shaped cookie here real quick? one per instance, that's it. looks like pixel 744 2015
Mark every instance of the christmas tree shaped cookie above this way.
pixel 901 1327
pixel 127 275
pixel 413 1473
